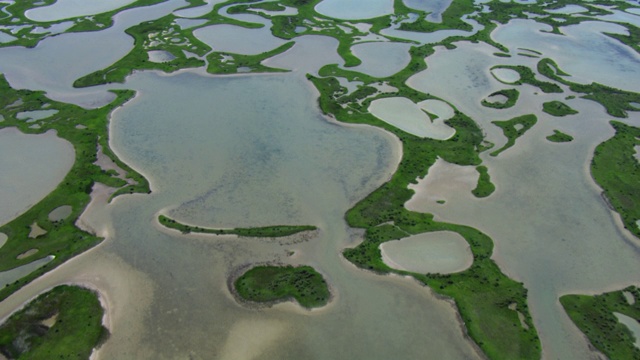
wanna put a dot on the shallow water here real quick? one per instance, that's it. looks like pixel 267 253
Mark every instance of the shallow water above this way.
pixel 543 188
pixel 31 166
pixel 441 252
pixel 64 9
pixel 160 56
pixel 237 39
pixel 8 277
pixel 381 59
pixel 253 146
pixel 434 7
pixel 355 9
pixel 36 114
pixel 60 213
pixel 46 67
pixel 618 65
pixel 506 75
pixel 308 55
pixel 632 324
pixel 407 116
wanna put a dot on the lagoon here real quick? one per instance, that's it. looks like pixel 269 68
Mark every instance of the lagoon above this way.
pixel 441 252
pixel 31 166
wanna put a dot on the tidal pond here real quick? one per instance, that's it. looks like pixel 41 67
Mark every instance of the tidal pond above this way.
pixel 65 9
pixel 237 39
pixel 381 59
pixel 355 9
pixel 407 116
pixel 31 166
pixel 441 252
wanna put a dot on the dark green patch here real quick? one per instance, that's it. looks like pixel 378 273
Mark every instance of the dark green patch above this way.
pixel 76 332
pixel 268 284
pixel 485 187
pixel 511 95
pixel 558 108
pixel 511 130
pixel 559 137
pixel 615 168
pixel 266 231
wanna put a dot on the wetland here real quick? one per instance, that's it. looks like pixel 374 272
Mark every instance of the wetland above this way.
pixel 331 179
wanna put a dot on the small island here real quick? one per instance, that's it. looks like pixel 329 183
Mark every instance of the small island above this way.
pixel 61 322
pixel 559 137
pixel 558 108
pixel 265 231
pixel 274 284
pixel 513 129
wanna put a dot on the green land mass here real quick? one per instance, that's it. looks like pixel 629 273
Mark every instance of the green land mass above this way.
pixel 527 76
pixel 559 137
pixel 558 108
pixel 85 129
pixel 266 231
pixel 511 95
pixel 594 316
pixel 482 293
pixel 272 284
pixel 485 187
pixel 615 168
pixel 74 327
pixel 616 102
pixel 511 130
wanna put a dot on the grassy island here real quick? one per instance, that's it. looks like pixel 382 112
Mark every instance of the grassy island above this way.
pixel 559 137
pixel 558 108
pixel 265 231
pixel 615 168
pixel 485 187
pixel 62 323
pixel 272 284
pixel 513 129
pixel 595 316
pixel 85 129
pixel 511 95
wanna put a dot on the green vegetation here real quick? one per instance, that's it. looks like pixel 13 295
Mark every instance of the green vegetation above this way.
pixel 63 239
pixel 63 323
pixel 153 35
pixel 266 231
pixel 513 129
pixel 485 187
pixel 228 63
pixel 615 168
pixel 594 316
pixel 511 95
pixel 527 76
pixel 617 102
pixel 558 108
pixel 482 293
pixel 28 38
pixel 559 137
pixel 271 284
